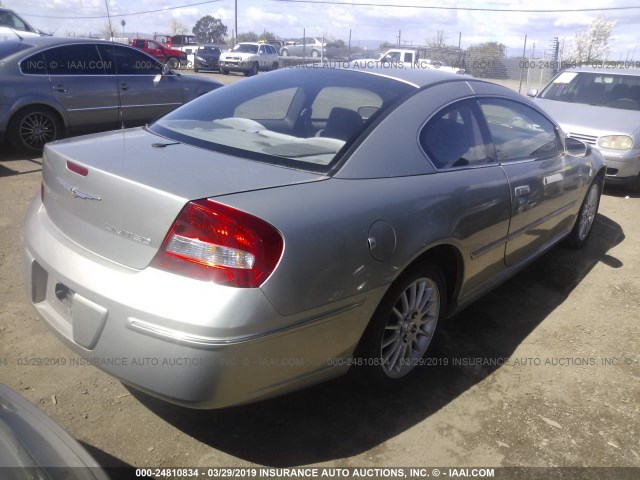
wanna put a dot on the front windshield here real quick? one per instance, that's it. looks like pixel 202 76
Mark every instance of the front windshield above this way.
pixel 599 89
pixel 245 48
pixel 298 118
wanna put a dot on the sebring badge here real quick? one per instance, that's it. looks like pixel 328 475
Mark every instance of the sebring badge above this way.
pixel 77 193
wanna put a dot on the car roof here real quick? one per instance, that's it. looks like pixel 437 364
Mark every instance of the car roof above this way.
pixel 419 77
pixel 635 72
pixel 55 41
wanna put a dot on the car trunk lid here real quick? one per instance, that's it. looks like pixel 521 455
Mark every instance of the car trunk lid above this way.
pixel 117 194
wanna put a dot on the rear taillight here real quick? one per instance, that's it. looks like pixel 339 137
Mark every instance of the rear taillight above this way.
pixel 211 241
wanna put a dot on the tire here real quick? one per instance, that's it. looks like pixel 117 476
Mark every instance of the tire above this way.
pixel 32 127
pixel 195 70
pixel 224 71
pixel 274 66
pixel 284 52
pixel 412 307
pixel 253 71
pixel 314 54
pixel 173 62
pixel 586 216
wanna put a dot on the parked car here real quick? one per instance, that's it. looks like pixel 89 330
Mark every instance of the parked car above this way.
pixel 173 58
pixel 249 58
pixel 307 47
pixel 13 27
pixel 277 231
pixel 34 446
pixel 601 107
pixel 207 58
pixel 63 86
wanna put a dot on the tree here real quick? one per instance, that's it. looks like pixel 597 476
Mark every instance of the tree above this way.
pixel 387 46
pixel 247 37
pixel 439 40
pixel 107 31
pixel 209 30
pixel 176 26
pixel 267 35
pixel 123 22
pixel 592 43
pixel 485 60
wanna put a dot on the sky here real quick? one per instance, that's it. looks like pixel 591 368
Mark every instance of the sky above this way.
pixel 369 24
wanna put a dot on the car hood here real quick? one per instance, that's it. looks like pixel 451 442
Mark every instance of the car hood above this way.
pixel 7 33
pixel 123 204
pixel 579 118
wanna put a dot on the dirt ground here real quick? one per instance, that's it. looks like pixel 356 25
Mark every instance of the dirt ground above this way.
pixel 544 371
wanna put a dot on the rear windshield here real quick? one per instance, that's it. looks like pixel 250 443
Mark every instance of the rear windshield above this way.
pixel 600 89
pixel 301 118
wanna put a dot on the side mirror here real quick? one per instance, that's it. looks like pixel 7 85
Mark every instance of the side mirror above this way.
pixel 532 92
pixel 166 69
pixel 576 148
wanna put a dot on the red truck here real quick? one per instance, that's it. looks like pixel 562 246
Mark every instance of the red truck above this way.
pixel 173 58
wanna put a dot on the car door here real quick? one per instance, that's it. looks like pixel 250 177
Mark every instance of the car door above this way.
pixel 263 58
pixel 156 50
pixel 545 183
pixel 457 142
pixel 84 86
pixel 145 93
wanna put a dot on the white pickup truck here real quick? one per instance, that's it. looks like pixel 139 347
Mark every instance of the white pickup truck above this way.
pixel 404 58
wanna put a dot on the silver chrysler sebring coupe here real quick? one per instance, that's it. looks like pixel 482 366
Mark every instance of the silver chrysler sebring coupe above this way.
pixel 281 230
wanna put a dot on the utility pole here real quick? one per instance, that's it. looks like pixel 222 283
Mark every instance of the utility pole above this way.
pixel 236 21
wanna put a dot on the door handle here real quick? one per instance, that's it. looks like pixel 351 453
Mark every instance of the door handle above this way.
pixel 60 88
pixel 124 86
pixel 522 191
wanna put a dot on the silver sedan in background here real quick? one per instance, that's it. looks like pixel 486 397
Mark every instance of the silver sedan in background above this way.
pixel 601 107
pixel 51 88
pixel 280 230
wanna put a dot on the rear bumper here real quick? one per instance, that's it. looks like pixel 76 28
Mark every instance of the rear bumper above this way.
pixel 190 342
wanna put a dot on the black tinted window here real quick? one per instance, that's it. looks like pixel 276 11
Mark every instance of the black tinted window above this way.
pixel 34 65
pixel 82 59
pixel 453 137
pixel 518 131
pixel 129 61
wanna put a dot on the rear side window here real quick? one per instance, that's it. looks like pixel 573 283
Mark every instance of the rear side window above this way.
pixel 34 65
pixel 519 132
pixel 80 59
pixel 345 97
pixel 453 137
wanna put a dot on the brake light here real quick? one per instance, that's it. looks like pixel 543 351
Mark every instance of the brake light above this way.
pixel 211 241
pixel 75 168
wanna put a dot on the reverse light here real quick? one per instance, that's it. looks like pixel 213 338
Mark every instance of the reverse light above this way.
pixel 211 241
pixel 616 142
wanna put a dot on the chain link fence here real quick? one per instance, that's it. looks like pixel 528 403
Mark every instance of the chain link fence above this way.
pixel 528 68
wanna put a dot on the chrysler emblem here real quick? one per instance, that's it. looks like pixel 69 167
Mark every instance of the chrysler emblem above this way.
pixel 77 193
